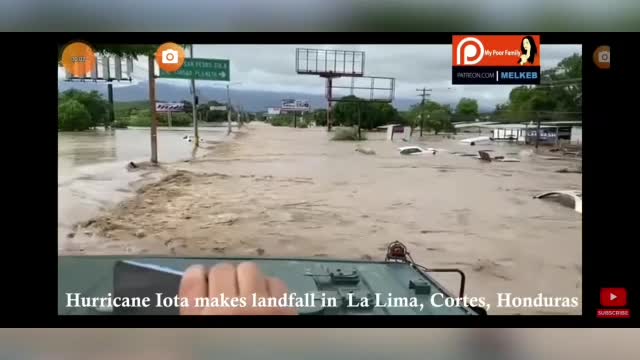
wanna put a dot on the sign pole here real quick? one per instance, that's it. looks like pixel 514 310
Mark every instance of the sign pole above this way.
pixel 111 110
pixel 195 120
pixel 538 130
pixel 154 120
pixel 228 111
pixel 169 115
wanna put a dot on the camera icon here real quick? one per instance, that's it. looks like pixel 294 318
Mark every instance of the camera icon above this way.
pixel 170 56
pixel 604 57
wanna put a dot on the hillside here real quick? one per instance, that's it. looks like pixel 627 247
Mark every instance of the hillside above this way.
pixel 250 100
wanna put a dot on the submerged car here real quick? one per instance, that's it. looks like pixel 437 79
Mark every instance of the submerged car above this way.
pixel 395 286
pixel 416 150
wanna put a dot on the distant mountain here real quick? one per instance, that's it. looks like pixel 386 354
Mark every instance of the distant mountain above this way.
pixel 250 100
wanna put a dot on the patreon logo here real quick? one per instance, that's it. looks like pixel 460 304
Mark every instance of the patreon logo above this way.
pixel 470 51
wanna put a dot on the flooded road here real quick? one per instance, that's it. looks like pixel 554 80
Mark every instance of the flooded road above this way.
pixel 91 166
pixel 294 192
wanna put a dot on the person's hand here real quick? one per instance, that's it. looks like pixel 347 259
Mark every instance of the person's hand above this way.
pixel 231 282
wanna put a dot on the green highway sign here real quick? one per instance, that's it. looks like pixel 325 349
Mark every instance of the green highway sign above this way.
pixel 201 69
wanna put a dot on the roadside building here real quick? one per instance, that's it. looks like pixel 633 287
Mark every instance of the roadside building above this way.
pixel 473 127
pixel 576 135
pixel 551 132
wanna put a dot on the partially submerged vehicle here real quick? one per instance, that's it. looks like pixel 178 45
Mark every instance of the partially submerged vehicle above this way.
pixel 397 277
pixel 417 150
pixel 574 197
pixel 485 156
pixel 480 140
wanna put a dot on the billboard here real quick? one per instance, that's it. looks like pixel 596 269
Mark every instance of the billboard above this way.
pixel 496 59
pixel 294 105
pixel 273 111
pixel 170 107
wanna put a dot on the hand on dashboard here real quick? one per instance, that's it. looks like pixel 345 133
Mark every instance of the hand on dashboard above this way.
pixel 226 281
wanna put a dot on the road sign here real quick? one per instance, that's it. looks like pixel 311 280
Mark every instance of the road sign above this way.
pixel 201 69
pixel 218 108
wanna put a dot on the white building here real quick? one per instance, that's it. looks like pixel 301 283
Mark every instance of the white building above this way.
pixel 576 135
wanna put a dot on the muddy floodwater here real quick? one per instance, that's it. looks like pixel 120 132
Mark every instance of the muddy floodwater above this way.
pixel 293 192
pixel 91 167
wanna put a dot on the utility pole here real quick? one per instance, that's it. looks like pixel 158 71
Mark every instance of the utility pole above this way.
pixel 329 105
pixel 423 95
pixel 195 106
pixel 154 120
pixel 111 110
pixel 359 120
pixel 228 111
pixel 538 130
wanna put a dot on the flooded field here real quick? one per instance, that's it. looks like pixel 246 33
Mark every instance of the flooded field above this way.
pixel 294 192
pixel 92 174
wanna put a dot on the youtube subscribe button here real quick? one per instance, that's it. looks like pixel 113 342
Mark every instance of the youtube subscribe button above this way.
pixel 613 298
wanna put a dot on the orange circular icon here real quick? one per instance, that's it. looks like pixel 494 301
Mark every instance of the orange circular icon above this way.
pixel 170 57
pixel 79 59
pixel 602 57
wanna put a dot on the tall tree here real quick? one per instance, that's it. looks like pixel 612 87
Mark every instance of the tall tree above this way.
pixel 467 109
pixel 73 116
pixel 559 97
pixel 93 102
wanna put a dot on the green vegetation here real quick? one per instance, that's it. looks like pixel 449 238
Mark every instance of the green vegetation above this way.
pixel 437 117
pixel 139 114
pixel 96 110
pixel 73 116
pixel 287 120
pixel 319 116
pixel 372 114
pixel 466 110
pixel 348 134
pixel 559 97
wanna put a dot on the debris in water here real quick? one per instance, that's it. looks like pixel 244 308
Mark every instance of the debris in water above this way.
pixel 366 151
pixel 569 171
pixel 227 218
pixel 562 196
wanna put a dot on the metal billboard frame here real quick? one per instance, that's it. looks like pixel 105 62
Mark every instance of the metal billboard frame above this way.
pixel 316 62
pixel 372 98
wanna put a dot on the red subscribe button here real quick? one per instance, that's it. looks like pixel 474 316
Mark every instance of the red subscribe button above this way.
pixel 614 314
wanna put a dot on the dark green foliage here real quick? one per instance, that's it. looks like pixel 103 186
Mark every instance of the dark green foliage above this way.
pixel 73 116
pixel 558 98
pixel 93 102
pixel 372 114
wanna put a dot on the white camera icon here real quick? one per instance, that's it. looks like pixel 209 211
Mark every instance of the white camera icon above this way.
pixel 604 57
pixel 170 56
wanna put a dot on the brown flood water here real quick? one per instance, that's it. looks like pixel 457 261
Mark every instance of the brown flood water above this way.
pixel 294 192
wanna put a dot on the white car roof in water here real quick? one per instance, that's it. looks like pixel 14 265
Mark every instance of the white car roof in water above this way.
pixel 410 147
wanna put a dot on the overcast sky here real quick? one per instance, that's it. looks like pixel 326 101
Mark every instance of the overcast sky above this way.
pixel 272 68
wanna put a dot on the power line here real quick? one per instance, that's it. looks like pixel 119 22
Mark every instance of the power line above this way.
pixel 423 95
